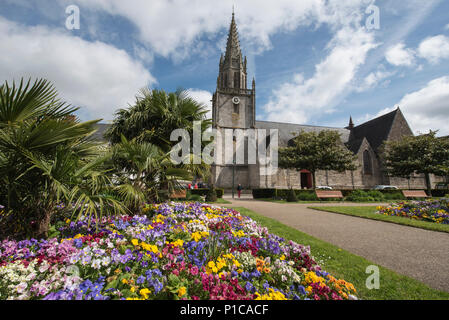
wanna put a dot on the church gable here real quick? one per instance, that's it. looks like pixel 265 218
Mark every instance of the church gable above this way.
pixel 378 130
pixel 399 128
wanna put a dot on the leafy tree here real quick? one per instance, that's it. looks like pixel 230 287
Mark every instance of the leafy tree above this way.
pixel 424 154
pixel 46 159
pixel 317 151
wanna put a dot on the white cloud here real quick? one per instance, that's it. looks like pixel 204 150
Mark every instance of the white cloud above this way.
pixel 93 75
pixel 427 108
pixel 173 28
pixel 298 101
pixel 204 97
pixel 398 55
pixel 374 79
pixel 447 27
pixel 434 49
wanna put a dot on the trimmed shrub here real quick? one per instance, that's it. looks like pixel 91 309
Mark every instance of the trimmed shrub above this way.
pixel 203 192
pixel 439 193
pixel 305 195
pixel 292 196
pixel 264 193
pixel 360 196
pixel 211 195
pixel 220 193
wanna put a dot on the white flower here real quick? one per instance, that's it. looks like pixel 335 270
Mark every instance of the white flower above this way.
pixel 106 261
pixel 21 287
pixel 96 264
pixel 44 267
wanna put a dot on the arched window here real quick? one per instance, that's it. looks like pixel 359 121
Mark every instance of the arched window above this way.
pixel 237 80
pixel 367 163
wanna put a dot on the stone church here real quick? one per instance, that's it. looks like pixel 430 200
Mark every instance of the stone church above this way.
pixel 234 107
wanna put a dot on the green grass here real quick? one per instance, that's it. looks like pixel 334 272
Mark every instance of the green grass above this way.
pixel 369 213
pixel 345 265
pixel 220 201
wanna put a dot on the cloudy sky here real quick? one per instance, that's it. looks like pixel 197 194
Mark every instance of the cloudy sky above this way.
pixel 315 62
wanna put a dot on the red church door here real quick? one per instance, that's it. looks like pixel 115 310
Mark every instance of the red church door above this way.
pixel 306 179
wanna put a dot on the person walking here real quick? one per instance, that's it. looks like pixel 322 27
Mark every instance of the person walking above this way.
pixel 239 190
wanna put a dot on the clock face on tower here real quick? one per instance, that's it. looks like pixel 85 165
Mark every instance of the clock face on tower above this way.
pixel 236 100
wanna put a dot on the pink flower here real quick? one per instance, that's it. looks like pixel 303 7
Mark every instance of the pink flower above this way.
pixel 194 271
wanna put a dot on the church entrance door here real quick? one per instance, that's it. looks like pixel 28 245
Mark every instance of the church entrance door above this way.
pixel 306 179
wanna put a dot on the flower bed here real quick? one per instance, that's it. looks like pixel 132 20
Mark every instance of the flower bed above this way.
pixel 436 211
pixel 176 251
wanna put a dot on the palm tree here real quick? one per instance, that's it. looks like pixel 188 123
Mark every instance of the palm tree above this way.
pixel 154 117
pixel 143 172
pixel 47 158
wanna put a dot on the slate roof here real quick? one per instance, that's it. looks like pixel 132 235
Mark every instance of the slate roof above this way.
pixel 287 131
pixel 101 129
pixel 376 131
pixel 354 145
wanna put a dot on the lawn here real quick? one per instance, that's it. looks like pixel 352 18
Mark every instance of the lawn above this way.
pixel 350 267
pixel 369 213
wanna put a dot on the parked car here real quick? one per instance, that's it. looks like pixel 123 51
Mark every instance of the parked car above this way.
pixel 386 188
pixel 442 186
pixel 324 188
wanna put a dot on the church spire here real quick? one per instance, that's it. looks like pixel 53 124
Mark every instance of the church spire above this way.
pixel 233 66
pixel 233 50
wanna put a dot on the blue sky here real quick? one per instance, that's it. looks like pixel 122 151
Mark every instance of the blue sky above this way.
pixel 315 61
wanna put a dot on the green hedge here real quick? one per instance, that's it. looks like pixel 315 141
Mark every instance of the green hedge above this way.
pixel 350 195
pixel 203 192
pixel 282 194
pixel 439 193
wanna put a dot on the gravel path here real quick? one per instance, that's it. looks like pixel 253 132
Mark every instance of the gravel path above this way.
pixel 417 253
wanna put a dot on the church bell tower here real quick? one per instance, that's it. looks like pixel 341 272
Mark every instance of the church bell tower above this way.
pixel 233 104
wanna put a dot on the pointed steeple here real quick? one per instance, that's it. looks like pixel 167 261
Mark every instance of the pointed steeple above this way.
pixel 233 66
pixel 351 124
pixel 233 50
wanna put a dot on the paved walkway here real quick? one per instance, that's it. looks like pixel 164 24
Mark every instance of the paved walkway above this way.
pixel 417 253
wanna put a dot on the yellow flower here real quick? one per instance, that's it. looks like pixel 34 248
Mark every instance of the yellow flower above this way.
pixel 67 221
pixel 135 242
pixel 124 281
pixel 145 293
pixel 196 236
pixel 182 291
pixel 282 258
